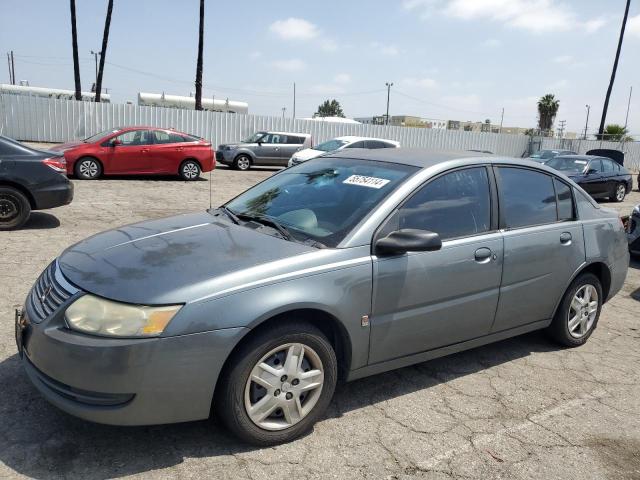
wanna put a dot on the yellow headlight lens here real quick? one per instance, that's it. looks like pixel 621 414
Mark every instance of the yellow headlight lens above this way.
pixel 91 314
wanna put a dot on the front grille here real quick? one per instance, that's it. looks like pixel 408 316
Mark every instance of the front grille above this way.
pixel 48 293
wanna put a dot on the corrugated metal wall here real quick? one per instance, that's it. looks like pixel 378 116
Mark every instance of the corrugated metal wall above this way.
pixel 631 149
pixel 54 120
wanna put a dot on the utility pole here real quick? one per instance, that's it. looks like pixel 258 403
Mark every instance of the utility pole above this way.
pixel 615 67
pixel 294 101
pixel 95 56
pixel 284 109
pixel 9 65
pixel 586 124
pixel 626 120
pixel 501 119
pixel 561 128
pixel 13 70
pixel 389 85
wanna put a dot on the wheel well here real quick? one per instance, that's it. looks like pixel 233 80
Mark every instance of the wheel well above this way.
pixel 326 323
pixel 21 189
pixel 601 271
pixel 77 162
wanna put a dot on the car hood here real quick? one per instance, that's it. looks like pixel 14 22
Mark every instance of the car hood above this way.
pixel 308 154
pixel 174 260
pixel 66 146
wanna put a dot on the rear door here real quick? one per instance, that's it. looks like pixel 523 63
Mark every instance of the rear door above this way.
pixel 426 300
pixel 291 144
pixel 594 182
pixel 610 176
pixel 543 245
pixel 132 154
pixel 167 151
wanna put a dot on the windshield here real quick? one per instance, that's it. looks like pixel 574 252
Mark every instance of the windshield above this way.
pixel 254 138
pixel 544 154
pixel 322 200
pixel 99 136
pixel 566 164
pixel 330 146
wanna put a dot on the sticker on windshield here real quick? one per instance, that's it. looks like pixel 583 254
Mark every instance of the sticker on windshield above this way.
pixel 363 181
pixel 580 162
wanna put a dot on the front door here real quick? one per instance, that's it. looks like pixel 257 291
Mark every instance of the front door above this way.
pixel 543 243
pixel 594 182
pixel 426 300
pixel 131 155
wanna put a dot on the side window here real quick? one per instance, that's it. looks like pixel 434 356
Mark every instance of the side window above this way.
pixel 162 136
pixel 565 200
pixel 596 165
pixel 607 166
pixel 388 145
pixel 356 145
pixel 267 138
pixel 527 197
pixel 275 138
pixel 135 137
pixel 374 144
pixel 457 204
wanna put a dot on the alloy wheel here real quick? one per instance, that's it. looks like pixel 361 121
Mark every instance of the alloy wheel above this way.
pixel 190 170
pixel 243 163
pixel 284 386
pixel 583 311
pixel 621 191
pixel 88 168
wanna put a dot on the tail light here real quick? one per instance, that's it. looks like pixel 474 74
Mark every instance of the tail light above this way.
pixel 59 164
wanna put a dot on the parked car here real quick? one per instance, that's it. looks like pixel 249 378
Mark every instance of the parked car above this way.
pixel 599 176
pixel 341 267
pixel 30 179
pixel 138 151
pixel 543 156
pixel 340 143
pixel 632 225
pixel 263 148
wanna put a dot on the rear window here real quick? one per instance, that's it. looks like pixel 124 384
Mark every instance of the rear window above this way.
pixel 527 197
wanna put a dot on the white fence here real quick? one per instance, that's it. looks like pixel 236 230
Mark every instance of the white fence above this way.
pixel 631 149
pixel 53 120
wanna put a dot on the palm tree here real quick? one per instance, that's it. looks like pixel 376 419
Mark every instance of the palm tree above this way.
pixel 103 52
pixel 614 133
pixel 615 68
pixel 199 65
pixel 547 109
pixel 74 43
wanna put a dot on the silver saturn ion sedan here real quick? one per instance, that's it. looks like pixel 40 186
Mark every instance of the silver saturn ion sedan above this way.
pixel 341 267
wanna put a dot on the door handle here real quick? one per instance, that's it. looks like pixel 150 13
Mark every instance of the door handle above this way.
pixel 144 150
pixel 565 238
pixel 483 255
pixel 180 149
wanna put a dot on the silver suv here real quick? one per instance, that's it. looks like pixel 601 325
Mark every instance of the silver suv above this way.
pixel 263 148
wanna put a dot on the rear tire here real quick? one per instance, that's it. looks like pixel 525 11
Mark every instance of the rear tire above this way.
pixel 14 208
pixel 578 313
pixel 293 391
pixel 88 168
pixel 619 193
pixel 242 162
pixel 189 170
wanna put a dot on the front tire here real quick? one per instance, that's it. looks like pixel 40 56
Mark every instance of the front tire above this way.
pixel 190 170
pixel 88 168
pixel 278 384
pixel 619 193
pixel 579 311
pixel 242 162
pixel 14 208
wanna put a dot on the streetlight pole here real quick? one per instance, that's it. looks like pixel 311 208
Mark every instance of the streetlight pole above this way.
pixel 284 109
pixel 95 56
pixel 389 85
pixel 586 124
pixel 626 120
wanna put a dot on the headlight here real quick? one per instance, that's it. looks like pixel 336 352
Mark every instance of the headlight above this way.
pixel 230 147
pixel 98 316
pixel 636 210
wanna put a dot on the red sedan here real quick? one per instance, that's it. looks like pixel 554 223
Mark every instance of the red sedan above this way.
pixel 138 150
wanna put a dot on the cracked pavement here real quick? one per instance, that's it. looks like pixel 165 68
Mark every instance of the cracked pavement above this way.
pixel 521 408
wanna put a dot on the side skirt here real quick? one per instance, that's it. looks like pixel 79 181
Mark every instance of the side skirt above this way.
pixel 443 351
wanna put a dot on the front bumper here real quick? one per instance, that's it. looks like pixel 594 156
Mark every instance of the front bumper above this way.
pixel 224 156
pixel 633 234
pixel 122 381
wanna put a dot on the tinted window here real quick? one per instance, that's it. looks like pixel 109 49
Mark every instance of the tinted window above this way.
pixel 324 199
pixel 356 145
pixel 135 137
pixel 568 164
pixel 527 197
pixel 373 144
pixel 607 166
pixel 457 204
pixel 596 165
pixel 330 146
pixel 565 200
pixel 295 140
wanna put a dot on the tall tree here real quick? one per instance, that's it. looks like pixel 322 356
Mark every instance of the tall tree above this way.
pixel 329 108
pixel 615 68
pixel 199 65
pixel 103 52
pixel 74 45
pixel 614 133
pixel 547 110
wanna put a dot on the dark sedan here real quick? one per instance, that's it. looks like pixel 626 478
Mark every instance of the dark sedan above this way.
pixel 30 180
pixel 543 156
pixel 601 177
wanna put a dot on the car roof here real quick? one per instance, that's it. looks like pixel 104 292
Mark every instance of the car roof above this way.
pixel 582 157
pixel 286 133
pixel 355 138
pixel 417 157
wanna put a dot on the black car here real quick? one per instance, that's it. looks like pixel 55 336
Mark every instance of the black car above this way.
pixel 543 156
pixel 30 179
pixel 632 226
pixel 599 176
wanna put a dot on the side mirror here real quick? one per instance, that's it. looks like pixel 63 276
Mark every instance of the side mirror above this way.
pixel 591 171
pixel 408 240
pixel 115 142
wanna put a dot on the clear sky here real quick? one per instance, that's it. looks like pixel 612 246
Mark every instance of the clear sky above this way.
pixel 448 59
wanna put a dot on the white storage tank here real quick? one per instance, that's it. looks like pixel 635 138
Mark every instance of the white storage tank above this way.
pixel 51 93
pixel 177 101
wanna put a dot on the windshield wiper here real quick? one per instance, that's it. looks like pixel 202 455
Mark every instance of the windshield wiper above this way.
pixel 268 221
pixel 234 218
